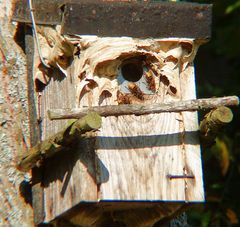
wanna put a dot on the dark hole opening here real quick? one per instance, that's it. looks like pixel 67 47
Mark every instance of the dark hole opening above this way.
pixel 132 71
pixel 39 85
pixel 19 36
pixel 173 90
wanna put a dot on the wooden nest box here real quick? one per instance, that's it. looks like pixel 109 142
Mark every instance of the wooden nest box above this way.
pixel 142 56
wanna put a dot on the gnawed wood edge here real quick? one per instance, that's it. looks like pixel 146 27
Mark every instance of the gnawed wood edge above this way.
pixel 118 110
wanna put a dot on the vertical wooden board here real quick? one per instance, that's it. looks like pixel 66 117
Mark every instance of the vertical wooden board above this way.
pixel 70 182
pixel 193 162
pixel 135 154
pixel 37 191
pixel 68 178
pixel 139 152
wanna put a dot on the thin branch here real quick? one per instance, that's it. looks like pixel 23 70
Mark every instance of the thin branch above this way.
pixel 59 141
pixel 118 110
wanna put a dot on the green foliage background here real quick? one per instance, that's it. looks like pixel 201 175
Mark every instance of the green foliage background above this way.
pixel 218 74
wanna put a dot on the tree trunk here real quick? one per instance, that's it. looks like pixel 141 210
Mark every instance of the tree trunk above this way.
pixel 14 131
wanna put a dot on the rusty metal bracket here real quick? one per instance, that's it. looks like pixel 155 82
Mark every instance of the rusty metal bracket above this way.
pixel 138 19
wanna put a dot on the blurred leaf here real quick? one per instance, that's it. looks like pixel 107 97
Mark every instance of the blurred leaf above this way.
pixel 233 7
pixel 232 216
pixel 216 186
pixel 222 152
pixel 206 219
pixel 238 168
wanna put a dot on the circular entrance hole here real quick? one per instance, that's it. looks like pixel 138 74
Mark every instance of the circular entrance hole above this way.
pixel 132 70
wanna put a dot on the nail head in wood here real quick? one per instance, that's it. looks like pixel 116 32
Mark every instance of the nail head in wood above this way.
pixel 171 177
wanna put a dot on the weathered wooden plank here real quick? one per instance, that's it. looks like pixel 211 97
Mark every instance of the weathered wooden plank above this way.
pixel 37 190
pixel 194 189
pixel 138 19
pixel 125 18
pixel 68 178
pixel 45 12
pixel 138 153
pixel 71 180
pixel 137 156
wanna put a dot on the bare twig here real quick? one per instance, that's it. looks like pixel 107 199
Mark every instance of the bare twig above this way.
pixel 59 141
pixel 118 110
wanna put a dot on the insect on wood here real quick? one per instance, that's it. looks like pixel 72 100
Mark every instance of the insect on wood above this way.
pixel 136 91
pixel 150 80
pixel 123 98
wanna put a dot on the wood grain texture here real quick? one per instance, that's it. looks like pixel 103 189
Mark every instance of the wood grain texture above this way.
pixel 212 125
pixel 37 200
pixel 68 178
pixel 194 190
pixel 138 152
pixel 136 162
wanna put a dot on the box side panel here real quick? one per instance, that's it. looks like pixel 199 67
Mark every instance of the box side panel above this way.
pixel 69 177
pixel 193 161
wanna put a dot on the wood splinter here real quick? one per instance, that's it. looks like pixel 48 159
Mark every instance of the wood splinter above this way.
pixel 75 128
pixel 213 123
pixel 137 109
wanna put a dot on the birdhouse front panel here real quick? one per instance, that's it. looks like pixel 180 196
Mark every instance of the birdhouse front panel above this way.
pixel 142 157
pixel 153 157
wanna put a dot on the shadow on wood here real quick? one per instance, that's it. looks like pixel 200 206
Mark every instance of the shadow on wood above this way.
pixel 111 143
pixel 60 167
